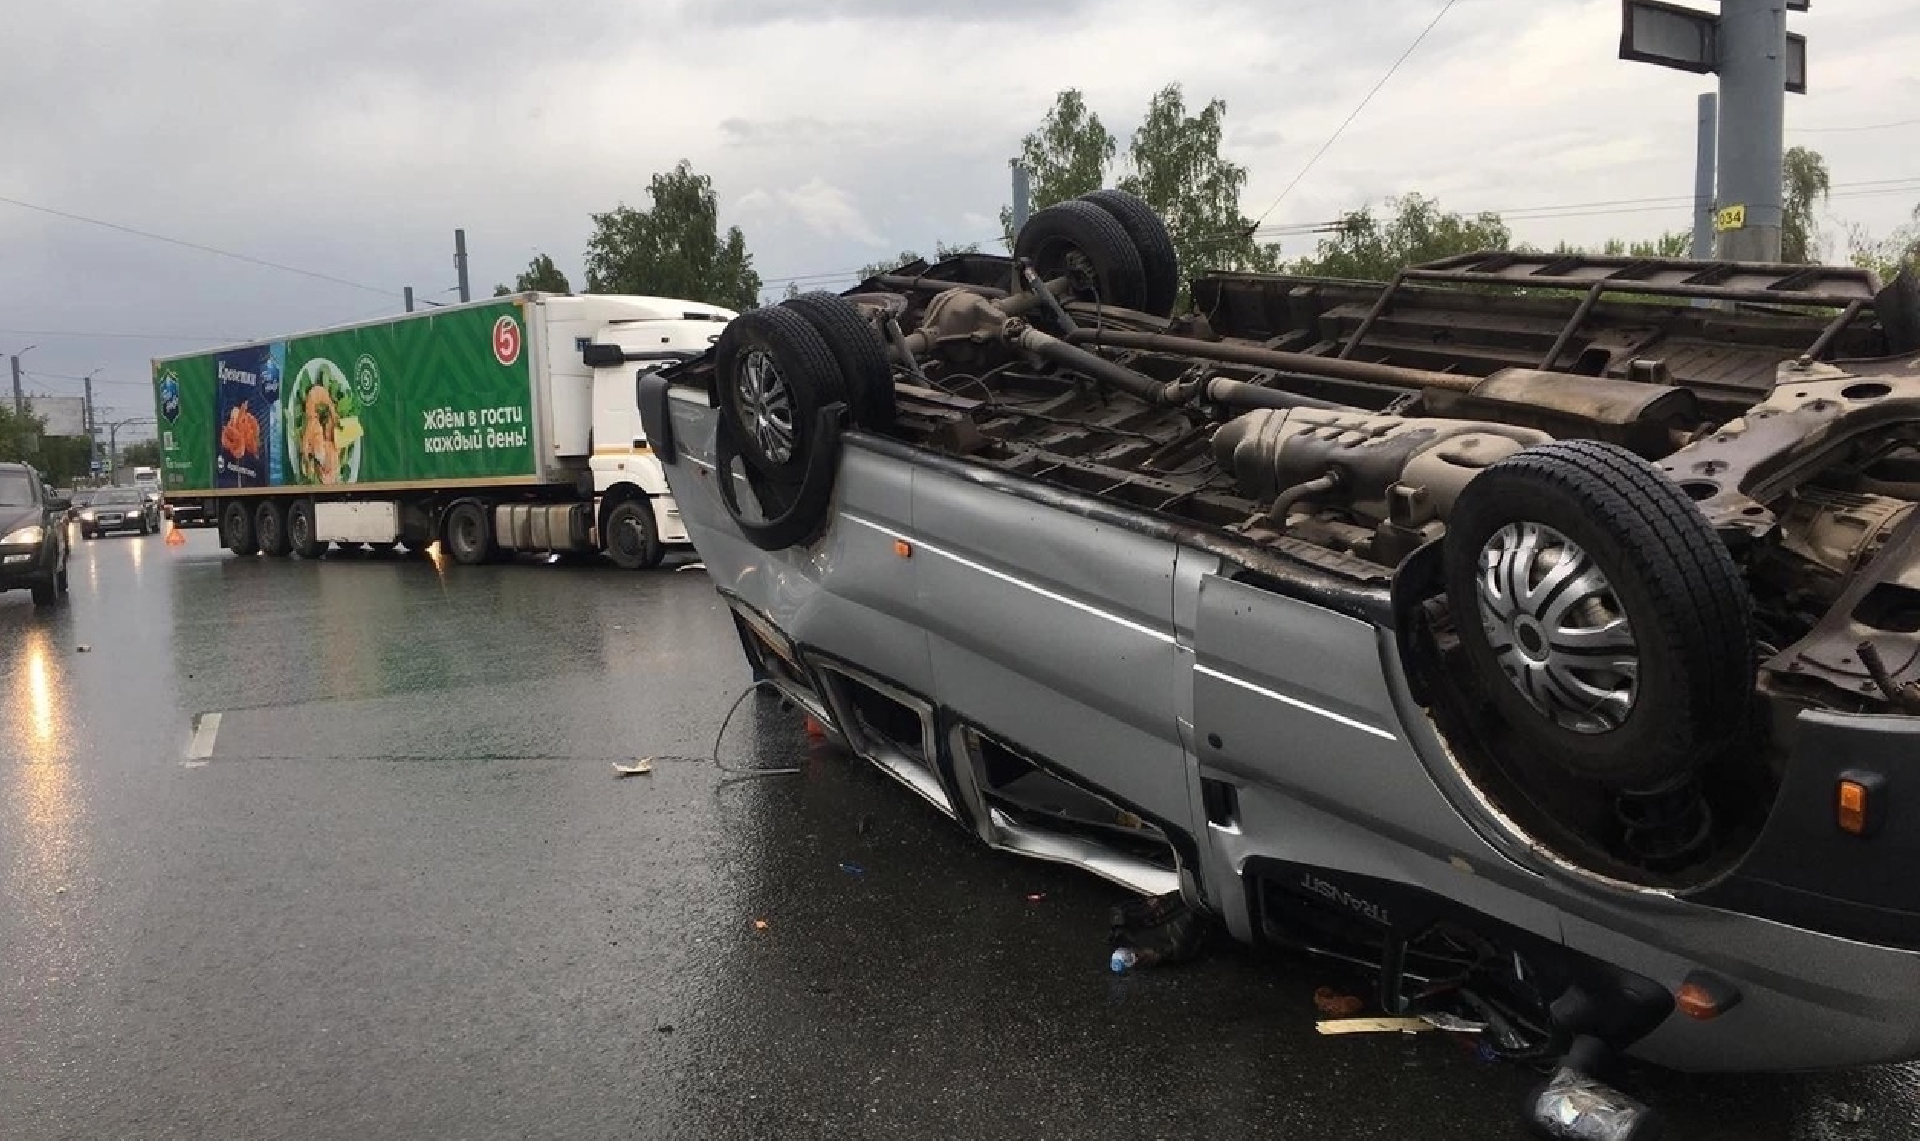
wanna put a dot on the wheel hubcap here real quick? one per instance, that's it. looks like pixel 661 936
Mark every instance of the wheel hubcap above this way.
pixel 766 405
pixel 1557 629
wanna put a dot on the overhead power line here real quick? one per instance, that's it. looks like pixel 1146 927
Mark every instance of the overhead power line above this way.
pixel 1861 127
pixel 148 234
pixel 89 334
pixel 1868 188
pixel 1361 106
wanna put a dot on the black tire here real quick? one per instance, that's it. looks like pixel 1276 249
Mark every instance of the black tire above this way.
pixel 270 529
pixel 46 591
pixel 61 582
pixel 856 345
pixel 1081 240
pixel 469 534
pixel 1687 613
pixel 1158 262
pixel 89 536
pixel 301 540
pixel 631 536
pixel 236 529
pixel 774 440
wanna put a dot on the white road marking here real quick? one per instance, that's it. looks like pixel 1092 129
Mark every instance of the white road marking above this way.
pixel 204 733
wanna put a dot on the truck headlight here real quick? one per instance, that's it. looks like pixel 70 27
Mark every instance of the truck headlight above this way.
pixel 24 537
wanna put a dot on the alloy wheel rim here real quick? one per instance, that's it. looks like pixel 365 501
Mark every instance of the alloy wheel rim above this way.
pixel 766 405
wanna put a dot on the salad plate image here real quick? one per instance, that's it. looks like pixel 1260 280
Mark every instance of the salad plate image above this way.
pixel 324 435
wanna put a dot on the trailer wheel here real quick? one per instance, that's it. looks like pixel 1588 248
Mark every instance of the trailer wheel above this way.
pixel 855 344
pixel 469 534
pixel 1158 262
pixel 270 528
pixel 1604 617
pixel 775 374
pixel 631 536
pixel 236 529
pixel 300 530
pixel 1082 241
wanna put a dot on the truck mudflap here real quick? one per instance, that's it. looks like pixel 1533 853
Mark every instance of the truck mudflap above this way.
pixel 1808 869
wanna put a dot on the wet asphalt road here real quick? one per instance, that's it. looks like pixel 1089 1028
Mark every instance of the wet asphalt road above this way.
pixel 406 897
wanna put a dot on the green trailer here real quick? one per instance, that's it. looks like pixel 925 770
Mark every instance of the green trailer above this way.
pixel 507 424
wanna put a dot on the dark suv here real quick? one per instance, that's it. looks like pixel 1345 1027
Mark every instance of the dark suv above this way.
pixel 33 536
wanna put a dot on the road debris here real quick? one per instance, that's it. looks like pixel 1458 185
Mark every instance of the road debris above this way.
pixel 1372 1026
pixel 1333 1004
pixel 1036 897
pixel 83 648
pixel 637 768
pixel 1452 1024
pixel 852 869
pixel 761 925
pixel 1161 930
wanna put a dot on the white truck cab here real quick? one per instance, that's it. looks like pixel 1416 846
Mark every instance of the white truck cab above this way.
pixel 610 342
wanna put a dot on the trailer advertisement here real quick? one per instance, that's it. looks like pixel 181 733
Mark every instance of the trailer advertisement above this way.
pixel 434 397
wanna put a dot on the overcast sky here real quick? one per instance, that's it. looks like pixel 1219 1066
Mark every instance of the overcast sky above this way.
pixel 349 138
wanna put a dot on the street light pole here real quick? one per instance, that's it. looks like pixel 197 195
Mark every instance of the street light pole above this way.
pixel 88 424
pixel 19 398
pixel 113 443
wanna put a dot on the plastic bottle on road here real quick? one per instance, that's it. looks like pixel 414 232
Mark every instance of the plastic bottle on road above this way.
pixel 1123 960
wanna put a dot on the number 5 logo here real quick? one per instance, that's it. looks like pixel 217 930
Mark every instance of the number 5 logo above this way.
pixel 506 340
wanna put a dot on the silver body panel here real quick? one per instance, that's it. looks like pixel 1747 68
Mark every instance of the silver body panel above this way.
pixel 1134 664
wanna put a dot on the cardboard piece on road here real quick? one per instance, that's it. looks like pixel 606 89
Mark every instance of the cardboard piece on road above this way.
pixel 1371 1026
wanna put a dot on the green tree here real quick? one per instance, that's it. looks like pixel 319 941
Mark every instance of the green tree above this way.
pixel 1066 157
pixel 1366 247
pixel 19 434
pixel 540 276
pixel 141 453
pixel 1804 185
pixel 1177 168
pixel 1889 255
pixel 66 458
pixel 674 248
pixel 1672 244
pixel 941 252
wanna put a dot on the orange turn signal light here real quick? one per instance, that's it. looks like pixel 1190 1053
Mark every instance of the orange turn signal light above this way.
pixel 1705 996
pixel 1851 807
pixel 903 548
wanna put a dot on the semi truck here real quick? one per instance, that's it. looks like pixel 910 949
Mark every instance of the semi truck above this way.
pixel 504 425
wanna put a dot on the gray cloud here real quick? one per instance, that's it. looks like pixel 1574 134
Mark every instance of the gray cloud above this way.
pixel 350 137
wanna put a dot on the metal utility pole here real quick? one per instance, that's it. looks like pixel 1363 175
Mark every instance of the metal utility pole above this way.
pixel 19 398
pixel 409 295
pixel 1753 109
pixel 460 262
pixel 1705 151
pixel 93 445
pixel 1022 195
